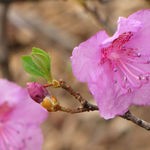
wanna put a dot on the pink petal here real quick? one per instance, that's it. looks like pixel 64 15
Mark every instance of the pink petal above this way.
pixel 142 95
pixel 141 39
pixel 111 99
pixel 16 135
pixel 125 25
pixel 10 92
pixel 128 25
pixel 34 138
pixel 142 16
pixel 142 44
pixel 28 111
pixel 109 103
pixel 86 57
pixel 20 119
pixel 12 135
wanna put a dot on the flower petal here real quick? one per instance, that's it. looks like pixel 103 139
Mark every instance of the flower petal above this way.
pixel 34 138
pixel 10 92
pixel 20 118
pixel 125 25
pixel 141 39
pixel 28 111
pixel 110 98
pixel 86 57
pixel 109 104
pixel 16 135
pixel 142 96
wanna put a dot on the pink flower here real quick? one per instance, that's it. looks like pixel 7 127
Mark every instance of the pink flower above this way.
pixel 117 68
pixel 36 91
pixel 20 119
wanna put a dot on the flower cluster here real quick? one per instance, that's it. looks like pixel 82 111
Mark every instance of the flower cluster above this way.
pixel 117 68
pixel 20 119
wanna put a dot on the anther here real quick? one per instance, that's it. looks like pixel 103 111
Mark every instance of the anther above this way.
pixel 115 69
pixel 129 90
pixel 148 61
pixel 125 78
pixel 139 77
pixel 115 81
pixel 123 46
pixel 147 77
pixel 139 54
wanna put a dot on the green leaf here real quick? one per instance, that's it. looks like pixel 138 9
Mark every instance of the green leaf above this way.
pixel 42 60
pixel 37 50
pixel 31 67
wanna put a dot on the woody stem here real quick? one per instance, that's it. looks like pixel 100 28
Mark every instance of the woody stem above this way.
pixel 86 107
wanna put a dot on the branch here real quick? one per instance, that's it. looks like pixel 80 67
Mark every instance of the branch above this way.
pixel 73 93
pixel 86 106
pixel 78 110
pixel 129 116
pixel 103 22
pixel 4 50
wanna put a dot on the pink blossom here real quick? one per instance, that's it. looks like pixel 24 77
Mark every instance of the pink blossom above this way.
pixel 20 119
pixel 37 91
pixel 117 68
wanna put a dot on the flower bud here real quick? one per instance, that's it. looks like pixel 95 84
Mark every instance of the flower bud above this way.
pixel 37 92
pixel 51 104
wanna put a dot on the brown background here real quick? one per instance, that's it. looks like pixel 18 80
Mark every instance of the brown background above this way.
pixel 57 26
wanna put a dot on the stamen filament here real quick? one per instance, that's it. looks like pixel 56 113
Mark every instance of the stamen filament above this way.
pixel 124 69
pixel 131 73
pixel 135 68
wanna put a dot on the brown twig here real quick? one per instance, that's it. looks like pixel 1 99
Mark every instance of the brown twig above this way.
pixel 72 92
pixel 86 106
pixel 129 116
pixel 78 110
pixel 78 96
pixel 48 85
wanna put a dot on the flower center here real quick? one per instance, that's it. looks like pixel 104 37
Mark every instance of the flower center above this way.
pixel 129 67
pixel 5 110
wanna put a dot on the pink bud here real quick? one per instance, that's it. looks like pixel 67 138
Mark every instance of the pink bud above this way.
pixel 37 92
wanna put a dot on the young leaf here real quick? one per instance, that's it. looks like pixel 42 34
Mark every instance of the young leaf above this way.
pixel 37 50
pixel 42 60
pixel 31 67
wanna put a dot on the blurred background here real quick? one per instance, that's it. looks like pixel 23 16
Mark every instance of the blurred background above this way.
pixel 57 26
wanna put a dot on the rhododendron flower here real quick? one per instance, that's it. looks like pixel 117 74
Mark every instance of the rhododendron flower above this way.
pixel 117 68
pixel 20 119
